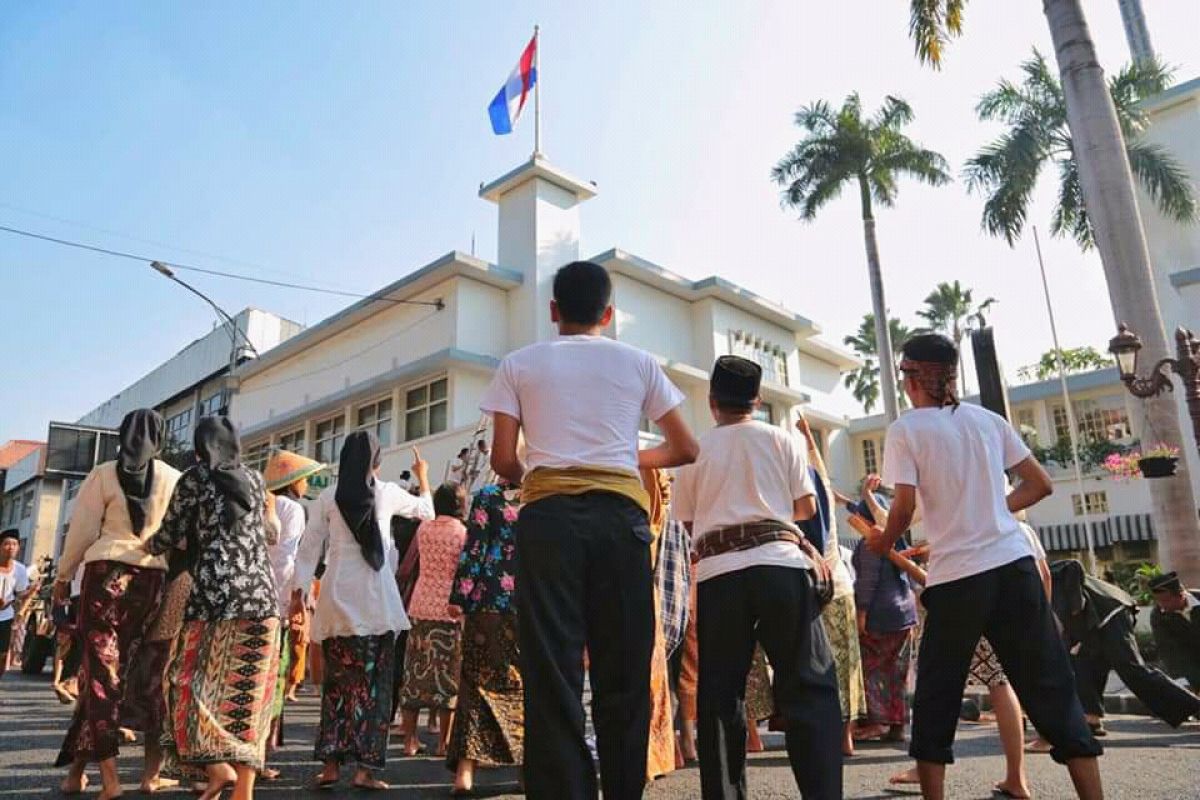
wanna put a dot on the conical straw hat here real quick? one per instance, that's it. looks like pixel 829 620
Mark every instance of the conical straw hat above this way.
pixel 286 467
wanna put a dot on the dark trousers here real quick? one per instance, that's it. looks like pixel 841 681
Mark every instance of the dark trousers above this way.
pixel 778 607
pixel 1008 605
pixel 1113 646
pixel 584 580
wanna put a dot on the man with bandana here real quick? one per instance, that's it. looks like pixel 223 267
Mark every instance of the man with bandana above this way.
pixel 983 579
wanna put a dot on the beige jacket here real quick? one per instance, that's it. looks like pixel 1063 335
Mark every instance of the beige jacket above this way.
pixel 100 529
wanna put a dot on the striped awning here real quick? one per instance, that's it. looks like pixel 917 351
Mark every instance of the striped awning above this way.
pixel 1108 531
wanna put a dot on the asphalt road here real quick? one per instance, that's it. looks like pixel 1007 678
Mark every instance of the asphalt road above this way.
pixel 1146 760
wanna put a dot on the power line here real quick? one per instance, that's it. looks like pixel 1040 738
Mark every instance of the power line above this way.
pixel 438 304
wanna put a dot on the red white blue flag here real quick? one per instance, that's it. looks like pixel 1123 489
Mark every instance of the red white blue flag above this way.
pixel 510 100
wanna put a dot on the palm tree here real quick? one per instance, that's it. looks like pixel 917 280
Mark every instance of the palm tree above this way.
pixel 1007 169
pixel 1107 189
pixel 843 147
pixel 863 382
pixel 951 309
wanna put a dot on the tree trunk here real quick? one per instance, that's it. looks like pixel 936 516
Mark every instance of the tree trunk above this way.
pixel 1108 192
pixel 883 331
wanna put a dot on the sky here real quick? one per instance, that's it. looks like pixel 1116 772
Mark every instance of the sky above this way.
pixel 343 145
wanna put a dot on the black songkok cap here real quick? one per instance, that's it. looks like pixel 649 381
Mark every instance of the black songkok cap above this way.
pixel 735 381
pixel 1167 583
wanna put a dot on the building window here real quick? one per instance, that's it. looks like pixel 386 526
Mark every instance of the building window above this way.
pixel 179 427
pixel 771 357
pixel 1096 420
pixel 14 502
pixel 426 410
pixel 27 504
pixel 870 457
pixel 330 434
pixel 71 488
pixel 211 406
pixel 292 442
pixel 377 417
pixel 256 456
pixel 1097 503
pixel 764 413
pixel 1026 426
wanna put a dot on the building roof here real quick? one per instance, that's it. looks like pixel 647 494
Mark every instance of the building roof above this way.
pixel 645 271
pixel 14 450
pixel 421 280
pixel 1180 92
pixel 537 167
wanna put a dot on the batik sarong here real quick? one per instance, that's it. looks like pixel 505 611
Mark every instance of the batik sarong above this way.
pixel 489 725
pixel 887 658
pixel 760 701
pixel 841 628
pixel 116 601
pixel 985 667
pixel 220 688
pixel 356 700
pixel 432 663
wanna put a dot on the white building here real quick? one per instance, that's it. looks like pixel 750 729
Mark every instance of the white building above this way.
pixel 1118 511
pixel 31 503
pixel 415 373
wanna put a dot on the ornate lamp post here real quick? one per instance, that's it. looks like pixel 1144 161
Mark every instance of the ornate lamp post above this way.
pixel 1186 364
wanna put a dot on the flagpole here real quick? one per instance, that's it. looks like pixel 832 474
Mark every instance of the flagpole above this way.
pixel 537 92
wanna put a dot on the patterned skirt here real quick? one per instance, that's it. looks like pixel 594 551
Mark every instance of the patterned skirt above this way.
pixel 887 659
pixel 661 756
pixel 841 627
pixel 115 602
pixel 220 687
pixel 489 725
pixel 760 700
pixel 356 699
pixel 985 667
pixel 432 663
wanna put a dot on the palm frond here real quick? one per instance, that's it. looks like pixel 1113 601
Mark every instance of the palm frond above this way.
pixel 1007 171
pixel 816 118
pixel 1070 214
pixel 1164 179
pixel 931 24
pixel 895 113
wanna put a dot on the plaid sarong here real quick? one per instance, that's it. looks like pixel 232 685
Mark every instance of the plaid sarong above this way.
pixel 674 582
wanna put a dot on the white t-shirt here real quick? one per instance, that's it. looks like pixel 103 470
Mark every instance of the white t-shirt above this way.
pixel 11 584
pixel 748 472
pixel 581 400
pixel 282 554
pixel 956 459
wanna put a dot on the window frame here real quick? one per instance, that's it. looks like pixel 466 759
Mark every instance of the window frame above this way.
pixel 377 420
pixel 768 355
pixel 178 433
pixel 426 407
pixel 287 441
pixel 257 455
pixel 1096 504
pixel 870 462
pixel 337 437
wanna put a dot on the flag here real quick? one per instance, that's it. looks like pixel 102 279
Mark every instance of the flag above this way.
pixel 510 100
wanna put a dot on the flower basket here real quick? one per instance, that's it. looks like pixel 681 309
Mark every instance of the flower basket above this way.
pixel 1158 466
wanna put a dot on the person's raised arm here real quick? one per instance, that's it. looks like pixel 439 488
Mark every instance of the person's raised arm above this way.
pixel 679 446
pixel 1034 485
pixel 899 519
pixel 506 431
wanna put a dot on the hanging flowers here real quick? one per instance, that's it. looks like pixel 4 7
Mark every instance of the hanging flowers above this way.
pixel 1159 461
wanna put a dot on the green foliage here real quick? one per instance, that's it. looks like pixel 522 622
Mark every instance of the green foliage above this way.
pixel 931 25
pixel 177 455
pixel 1134 577
pixel 863 382
pixel 1091 453
pixel 1075 360
pixel 1006 170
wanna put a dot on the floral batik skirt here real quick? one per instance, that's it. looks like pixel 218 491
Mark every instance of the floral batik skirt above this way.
pixel 985 667
pixel 841 627
pixel 760 699
pixel 432 663
pixel 220 688
pixel 887 658
pixel 356 699
pixel 489 725
pixel 115 605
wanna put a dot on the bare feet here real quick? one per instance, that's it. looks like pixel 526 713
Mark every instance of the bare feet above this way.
pixel 906 778
pixel 64 696
pixel 220 776
pixel 870 733
pixel 1038 745
pixel 128 736
pixel 1017 792
pixel 365 780
pixel 74 785
pixel 157 784
pixel 464 777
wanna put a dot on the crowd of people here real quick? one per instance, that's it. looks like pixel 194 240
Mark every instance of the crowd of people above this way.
pixel 698 587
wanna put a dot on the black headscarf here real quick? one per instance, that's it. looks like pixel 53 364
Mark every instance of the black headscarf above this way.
pixel 140 439
pixel 355 494
pixel 219 449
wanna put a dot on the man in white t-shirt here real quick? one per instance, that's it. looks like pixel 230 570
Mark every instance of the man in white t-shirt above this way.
pixel 14 588
pixel 983 579
pixel 583 537
pixel 741 500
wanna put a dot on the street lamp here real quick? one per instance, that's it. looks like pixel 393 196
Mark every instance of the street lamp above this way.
pixel 234 330
pixel 1186 364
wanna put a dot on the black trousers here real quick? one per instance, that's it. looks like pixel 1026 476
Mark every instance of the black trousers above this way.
pixel 1113 646
pixel 1008 605
pixel 584 580
pixel 778 607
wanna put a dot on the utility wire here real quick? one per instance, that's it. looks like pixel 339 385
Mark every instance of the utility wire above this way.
pixel 438 304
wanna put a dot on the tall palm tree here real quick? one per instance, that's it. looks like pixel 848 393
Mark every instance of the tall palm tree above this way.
pixel 951 309
pixel 863 382
pixel 1107 188
pixel 842 147
pixel 1007 169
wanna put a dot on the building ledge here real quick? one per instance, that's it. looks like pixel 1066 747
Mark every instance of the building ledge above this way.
pixel 537 167
pixel 1187 277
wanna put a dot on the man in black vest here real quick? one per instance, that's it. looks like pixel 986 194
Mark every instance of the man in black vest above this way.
pixel 1175 622
pixel 1098 620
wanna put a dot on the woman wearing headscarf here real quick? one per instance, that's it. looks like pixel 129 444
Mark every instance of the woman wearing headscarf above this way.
pixel 359 610
pixel 120 504
pixel 225 661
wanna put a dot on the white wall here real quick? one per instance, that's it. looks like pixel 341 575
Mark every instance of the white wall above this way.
pixel 654 320
pixel 480 317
